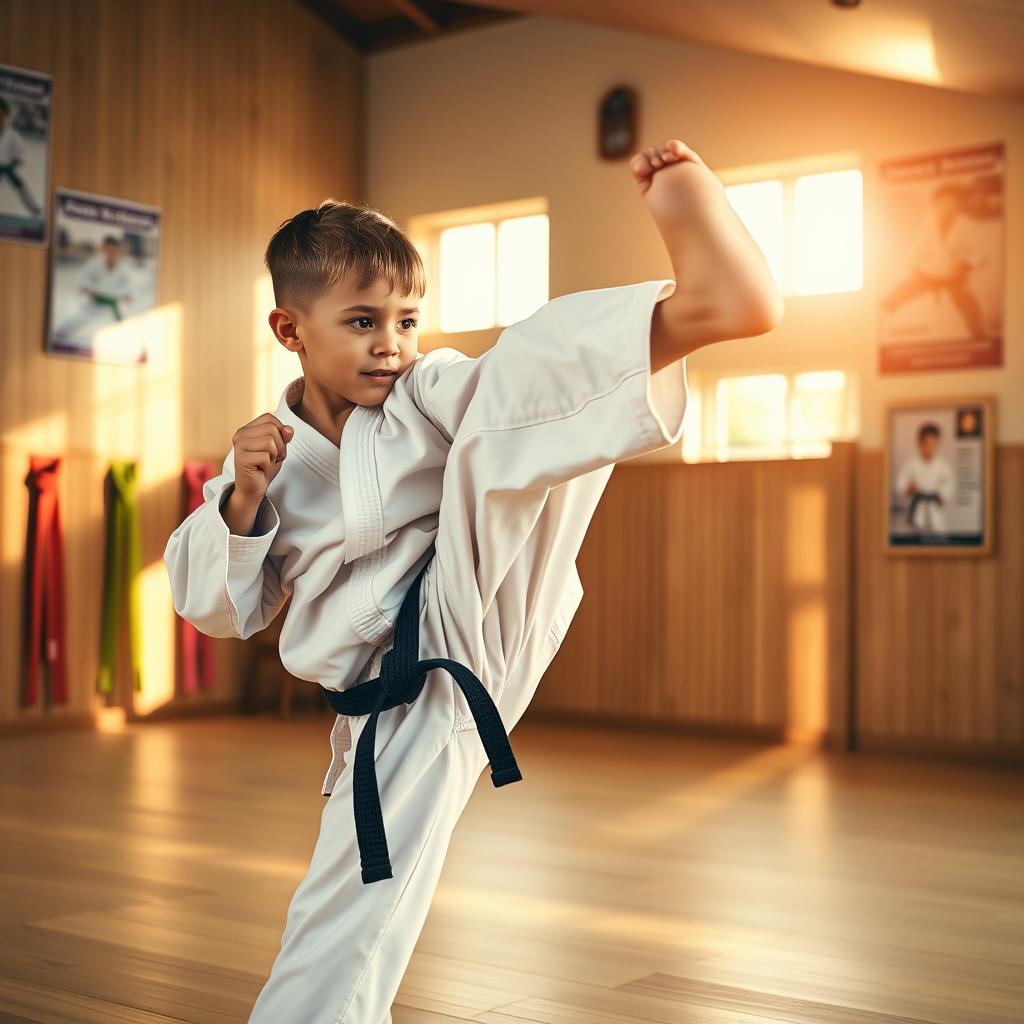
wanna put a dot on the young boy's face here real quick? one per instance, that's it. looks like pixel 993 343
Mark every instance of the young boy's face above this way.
pixel 111 253
pixel 926 446
pixel 338 345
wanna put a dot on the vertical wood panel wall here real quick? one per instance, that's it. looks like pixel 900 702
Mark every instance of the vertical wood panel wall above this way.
pixel 756 598
pixel 716 595
pixel 230 117
pixel 940 641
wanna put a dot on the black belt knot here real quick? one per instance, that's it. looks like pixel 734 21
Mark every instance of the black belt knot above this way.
pixel 401 680
pixel 400 677
pixel 921 497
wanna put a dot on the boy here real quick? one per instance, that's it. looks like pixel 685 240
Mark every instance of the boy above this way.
pixel 945 254
pixel 436 515
pixel 106 282
pixel 12 154
pixel 926 480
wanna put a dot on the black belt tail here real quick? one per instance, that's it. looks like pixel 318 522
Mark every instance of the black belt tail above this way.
pixel 402 677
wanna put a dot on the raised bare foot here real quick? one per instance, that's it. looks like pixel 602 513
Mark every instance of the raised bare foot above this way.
pixel 670 177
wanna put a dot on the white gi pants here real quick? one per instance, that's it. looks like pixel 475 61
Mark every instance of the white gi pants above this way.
pixel 497 597
pixel 88 312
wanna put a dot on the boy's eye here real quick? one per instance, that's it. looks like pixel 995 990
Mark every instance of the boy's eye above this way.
pixel 407 320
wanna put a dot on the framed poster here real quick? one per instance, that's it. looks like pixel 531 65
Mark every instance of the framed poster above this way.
pixel 942 264
pixel 25 98
pixel 938 476
pixel 103 274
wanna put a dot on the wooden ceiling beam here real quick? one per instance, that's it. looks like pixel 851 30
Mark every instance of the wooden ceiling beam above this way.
pixel 417 15
pixel 414 21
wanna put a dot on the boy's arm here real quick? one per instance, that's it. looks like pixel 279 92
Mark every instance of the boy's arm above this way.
pixel 903 477
pixel 224 583
pixel 724 287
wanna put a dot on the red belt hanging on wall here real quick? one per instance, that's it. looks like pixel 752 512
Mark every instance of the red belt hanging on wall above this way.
pixel 44 631
pixel 196 648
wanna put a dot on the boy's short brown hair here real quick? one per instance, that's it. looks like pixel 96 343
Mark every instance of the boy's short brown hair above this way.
pixel 315 249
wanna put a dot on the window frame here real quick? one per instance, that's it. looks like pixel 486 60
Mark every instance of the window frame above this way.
pixel 704 387
pixel 787 172
pixel 425 230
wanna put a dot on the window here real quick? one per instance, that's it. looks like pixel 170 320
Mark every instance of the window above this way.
pixel 768 415
pixel 487 267
pixel 809 226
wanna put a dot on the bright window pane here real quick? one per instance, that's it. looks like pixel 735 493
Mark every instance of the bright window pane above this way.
pixel 751 412
pixel 522 267
pixel 466 273
pixel 819 405
pixel 759 205
pixel 829 232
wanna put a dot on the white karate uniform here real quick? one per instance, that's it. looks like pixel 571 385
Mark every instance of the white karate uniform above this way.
pixel 937 254
pixel 491 466
pixel 11 146
pixel 12 157
pixel 115 282
pixel 932 477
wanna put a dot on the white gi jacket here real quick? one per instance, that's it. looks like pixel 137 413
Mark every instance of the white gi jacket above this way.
pixel 345 531
pixel 932 477
pixel 11 146
pixel 115 282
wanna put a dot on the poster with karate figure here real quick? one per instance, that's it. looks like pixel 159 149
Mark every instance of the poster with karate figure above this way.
pixel 938 472
pixel 25 98
pixel 103 274
pixel 941 261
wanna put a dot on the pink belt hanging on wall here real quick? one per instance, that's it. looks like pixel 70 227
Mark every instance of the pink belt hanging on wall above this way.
pixel 44 632
pixel 196 648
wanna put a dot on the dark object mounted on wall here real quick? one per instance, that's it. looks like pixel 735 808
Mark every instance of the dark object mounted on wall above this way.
pixel 617 121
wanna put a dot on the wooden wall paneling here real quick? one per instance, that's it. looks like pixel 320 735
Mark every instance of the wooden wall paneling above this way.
pixel 177 105
pixel 717 596
pixel 939 658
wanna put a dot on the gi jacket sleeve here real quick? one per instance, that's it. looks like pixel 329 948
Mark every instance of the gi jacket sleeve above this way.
pixel 563 392
pixel 224 584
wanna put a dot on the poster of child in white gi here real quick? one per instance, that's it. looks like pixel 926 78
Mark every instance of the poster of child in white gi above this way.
pixel 103 274
pixel 941 260
pixel 939 476
pixel 25 98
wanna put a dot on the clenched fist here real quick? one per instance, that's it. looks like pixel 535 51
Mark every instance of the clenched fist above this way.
pixel 259 448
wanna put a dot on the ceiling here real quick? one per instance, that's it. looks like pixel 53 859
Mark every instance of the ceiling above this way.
pixel 974 46
pixel 375 25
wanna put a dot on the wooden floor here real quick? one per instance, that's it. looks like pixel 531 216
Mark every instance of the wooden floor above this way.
pixel 145 875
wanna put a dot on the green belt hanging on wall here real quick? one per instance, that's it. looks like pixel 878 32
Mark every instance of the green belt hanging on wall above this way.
pixel 122 567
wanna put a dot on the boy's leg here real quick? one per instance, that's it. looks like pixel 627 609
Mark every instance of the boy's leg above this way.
pixel 523 479
pixel 346 943
pixel 501 587
pixel 86 313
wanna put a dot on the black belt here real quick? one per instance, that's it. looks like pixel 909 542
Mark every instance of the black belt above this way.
pixel 400 681
pixel 919 497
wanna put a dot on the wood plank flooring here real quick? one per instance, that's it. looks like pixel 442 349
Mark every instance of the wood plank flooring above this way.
pixel 630 877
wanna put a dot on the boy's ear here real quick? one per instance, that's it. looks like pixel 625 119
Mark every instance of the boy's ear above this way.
pixel 286 330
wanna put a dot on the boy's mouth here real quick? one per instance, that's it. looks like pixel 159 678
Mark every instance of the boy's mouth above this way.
pixel 380 373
